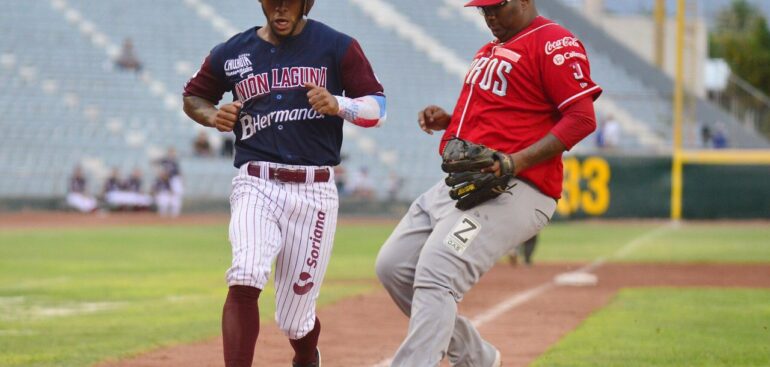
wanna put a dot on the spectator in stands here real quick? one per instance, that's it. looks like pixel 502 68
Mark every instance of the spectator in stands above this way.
pixel 361 186
pixel 201 145
pixel 125 195
pixel 228 146
pixel 127 60
pixel 112 192
pixel 134 182
pixel 77 197
pixel 340 179
pixel 609 134
pixel 705 136
pixel 599 135
pixel 394 184
pixel 134 197
pixel 719 137
pixel 164 196
pixel 170 165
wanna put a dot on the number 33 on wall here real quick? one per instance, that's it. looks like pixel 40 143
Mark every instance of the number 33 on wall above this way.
pixel 586 187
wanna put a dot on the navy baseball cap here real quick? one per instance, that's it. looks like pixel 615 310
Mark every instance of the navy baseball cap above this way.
pixel 483 2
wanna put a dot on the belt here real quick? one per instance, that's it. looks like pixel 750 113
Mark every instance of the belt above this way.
pixel 289 175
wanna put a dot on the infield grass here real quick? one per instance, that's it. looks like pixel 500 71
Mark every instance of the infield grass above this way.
pixel 671 327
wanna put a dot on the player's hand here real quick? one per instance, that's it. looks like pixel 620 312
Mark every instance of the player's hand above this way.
pixel 497 168
pixel 321 100
pixel 227 116
pixel 494 168
pixel 433 118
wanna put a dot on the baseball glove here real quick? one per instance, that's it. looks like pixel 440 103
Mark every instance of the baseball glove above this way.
pixel 464 161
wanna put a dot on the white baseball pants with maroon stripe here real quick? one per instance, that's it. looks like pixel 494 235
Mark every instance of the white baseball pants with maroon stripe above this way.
pixel 291 223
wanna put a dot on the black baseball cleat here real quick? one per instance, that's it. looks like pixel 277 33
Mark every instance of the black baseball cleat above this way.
pixel 317 362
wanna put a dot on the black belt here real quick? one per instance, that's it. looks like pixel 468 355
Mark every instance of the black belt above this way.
pixel 290 175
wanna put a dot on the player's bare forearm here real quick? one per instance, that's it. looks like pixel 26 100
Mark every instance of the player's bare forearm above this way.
pixel 200 110
pixel 547 147
pixel 205 113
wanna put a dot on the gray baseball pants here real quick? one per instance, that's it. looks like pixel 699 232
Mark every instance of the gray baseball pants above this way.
pixel 437 253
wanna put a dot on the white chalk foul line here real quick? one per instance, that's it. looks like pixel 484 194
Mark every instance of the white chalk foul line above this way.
pixel 631 246
pixel 497 310
pixel 510 303
pixel 522 297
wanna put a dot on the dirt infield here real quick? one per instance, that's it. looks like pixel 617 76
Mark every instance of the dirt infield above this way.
pixel 364 330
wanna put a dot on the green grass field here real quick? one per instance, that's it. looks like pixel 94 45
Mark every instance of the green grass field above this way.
pixel 671 327
pixel 75 297
pixel 700 242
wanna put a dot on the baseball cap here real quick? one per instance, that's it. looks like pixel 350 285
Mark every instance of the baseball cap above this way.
pixel 483 2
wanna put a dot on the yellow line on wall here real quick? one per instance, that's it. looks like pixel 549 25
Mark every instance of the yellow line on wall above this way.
pixel 727 156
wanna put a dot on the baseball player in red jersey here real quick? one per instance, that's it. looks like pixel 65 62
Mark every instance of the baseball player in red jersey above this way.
pixel 527 98
pixel 294 81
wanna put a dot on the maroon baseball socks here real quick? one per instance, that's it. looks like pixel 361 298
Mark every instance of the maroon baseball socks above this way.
pixel 240 325
pixel 305 348
pixel 240 329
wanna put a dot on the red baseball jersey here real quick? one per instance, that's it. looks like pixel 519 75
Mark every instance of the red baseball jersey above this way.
pixel 515 91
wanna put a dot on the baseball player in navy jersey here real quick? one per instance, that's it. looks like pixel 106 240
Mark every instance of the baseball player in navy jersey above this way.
pixel 528 97
pixel 163 194
pixel 294 81
pixel 77 197
pixel 170 164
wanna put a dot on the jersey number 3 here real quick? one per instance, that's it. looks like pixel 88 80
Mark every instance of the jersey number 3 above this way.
pixel 578 71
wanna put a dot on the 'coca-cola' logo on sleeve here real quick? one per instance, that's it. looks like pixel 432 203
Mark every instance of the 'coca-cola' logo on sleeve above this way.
pixel 553 46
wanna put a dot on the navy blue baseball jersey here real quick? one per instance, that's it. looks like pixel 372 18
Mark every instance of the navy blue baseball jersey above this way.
pixel 162 184
pixel 277 124
pixel 171 166
pixel 112 184
pixel 77 184
pixel 133 184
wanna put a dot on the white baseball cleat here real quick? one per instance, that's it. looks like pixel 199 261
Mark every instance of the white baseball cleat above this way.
pixel 498 359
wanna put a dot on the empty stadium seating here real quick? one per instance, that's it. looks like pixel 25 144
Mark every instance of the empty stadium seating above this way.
pixel 63 102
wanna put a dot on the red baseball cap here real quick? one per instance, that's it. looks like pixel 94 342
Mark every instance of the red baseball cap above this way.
pixel 483 2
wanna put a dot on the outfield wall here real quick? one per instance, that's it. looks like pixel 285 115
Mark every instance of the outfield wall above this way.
pixel 594 187
pixel 640 187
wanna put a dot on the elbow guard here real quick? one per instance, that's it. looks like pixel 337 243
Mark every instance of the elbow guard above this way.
pixel 366 111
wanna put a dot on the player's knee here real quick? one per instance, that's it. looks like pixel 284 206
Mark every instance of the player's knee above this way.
pixel 236 275
pixel 295 331
pixel 292 332
pixel 432 280
pixel 242 294
pixel 391 270
pixel 384 268
pixel 438 292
